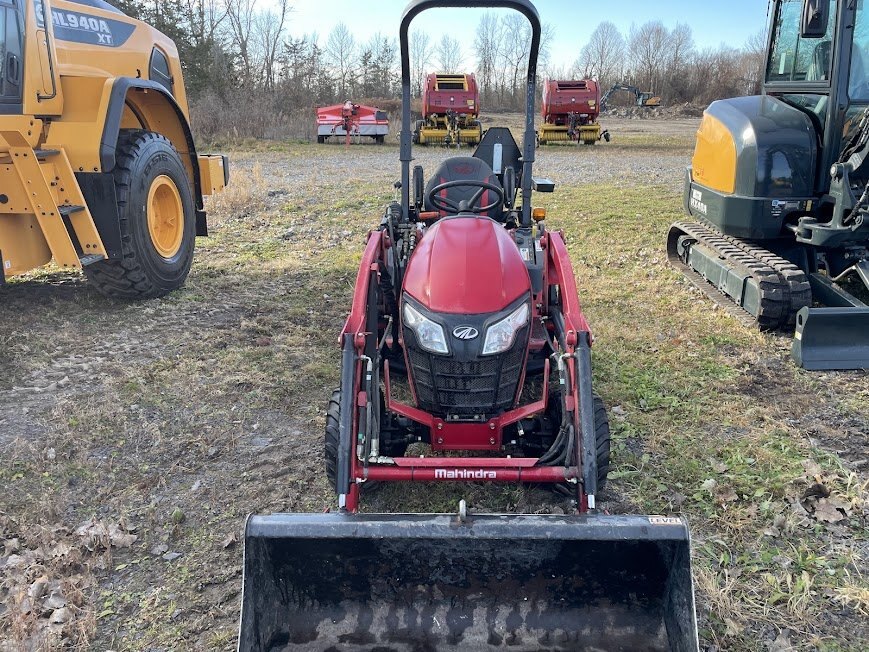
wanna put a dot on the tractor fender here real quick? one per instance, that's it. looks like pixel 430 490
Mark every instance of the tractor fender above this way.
pixel 157 111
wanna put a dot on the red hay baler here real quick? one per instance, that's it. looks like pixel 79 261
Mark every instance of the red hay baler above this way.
pixel 570 111
pixel 450 110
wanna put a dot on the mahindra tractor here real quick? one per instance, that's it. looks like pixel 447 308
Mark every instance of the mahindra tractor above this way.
pixel 466 357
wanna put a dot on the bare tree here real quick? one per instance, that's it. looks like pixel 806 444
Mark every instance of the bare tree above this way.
pixel 755 54
pixel 649 49
pixel 603 57
pixel 559 72
pixel 205 62
pixel 448 54
pixel 487 43
pixel 715 73
pixel 514 49
pixel 681 45
pixel 420 58
pixel 675 83
pixel 205 17
pixel 241 17
pixel 269 27
pixel 547 35
pixel 340 55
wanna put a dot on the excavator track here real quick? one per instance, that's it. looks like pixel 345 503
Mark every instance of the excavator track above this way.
pixel 781 287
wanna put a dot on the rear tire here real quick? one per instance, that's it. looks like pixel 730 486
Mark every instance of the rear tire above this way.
pixel 157 221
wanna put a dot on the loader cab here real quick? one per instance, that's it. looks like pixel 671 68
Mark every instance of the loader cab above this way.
pixel 818 61
pixel 11 56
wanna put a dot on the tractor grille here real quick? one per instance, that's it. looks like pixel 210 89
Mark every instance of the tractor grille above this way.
pixel 466 389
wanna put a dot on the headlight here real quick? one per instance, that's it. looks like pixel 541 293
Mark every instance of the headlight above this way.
pixel 429 334
pixel 500 336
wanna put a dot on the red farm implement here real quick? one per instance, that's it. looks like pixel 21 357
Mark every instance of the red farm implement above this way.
pixel 350 121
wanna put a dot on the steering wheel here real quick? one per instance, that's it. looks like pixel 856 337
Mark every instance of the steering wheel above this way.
pixel 447 205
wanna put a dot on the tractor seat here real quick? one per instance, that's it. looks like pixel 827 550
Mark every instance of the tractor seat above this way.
pixel 464 167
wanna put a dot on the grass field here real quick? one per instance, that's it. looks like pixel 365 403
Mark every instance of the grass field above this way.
pixel 134 438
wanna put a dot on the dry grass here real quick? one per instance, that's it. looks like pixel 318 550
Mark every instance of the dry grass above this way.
pixel 184 414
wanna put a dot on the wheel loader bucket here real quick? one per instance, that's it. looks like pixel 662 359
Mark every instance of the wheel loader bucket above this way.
pixel 832 338
pixel 493 582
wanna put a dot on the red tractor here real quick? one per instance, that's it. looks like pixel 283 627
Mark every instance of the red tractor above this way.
pixel 570 112
pixel 466 339
pixel 450 109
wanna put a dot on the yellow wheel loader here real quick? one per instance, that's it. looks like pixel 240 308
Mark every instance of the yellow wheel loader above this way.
pixel 98 169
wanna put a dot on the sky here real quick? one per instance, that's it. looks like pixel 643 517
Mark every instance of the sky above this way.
pixel 713 22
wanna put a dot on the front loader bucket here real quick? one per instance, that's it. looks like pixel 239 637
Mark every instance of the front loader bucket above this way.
pixel 494 582
pixel 832 338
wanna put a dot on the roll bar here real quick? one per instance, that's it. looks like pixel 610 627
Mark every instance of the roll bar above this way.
pixel 530 12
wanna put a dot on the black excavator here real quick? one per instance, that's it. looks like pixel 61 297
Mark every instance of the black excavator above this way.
pixel 642 98
pixel 780 193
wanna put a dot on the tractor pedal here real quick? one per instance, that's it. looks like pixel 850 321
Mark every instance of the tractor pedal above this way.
pixel 42 154
pixel 90 259
pixel 68 209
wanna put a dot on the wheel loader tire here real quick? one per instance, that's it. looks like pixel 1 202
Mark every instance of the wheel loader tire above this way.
pixel 321 140
pixel 157 221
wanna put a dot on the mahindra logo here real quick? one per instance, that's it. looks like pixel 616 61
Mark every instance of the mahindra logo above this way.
pixel 465 474
pixel 465 332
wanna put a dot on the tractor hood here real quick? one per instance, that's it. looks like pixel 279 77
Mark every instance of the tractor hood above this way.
pixel 466 265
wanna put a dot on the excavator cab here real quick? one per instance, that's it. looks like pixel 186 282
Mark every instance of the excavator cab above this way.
pixel 779 189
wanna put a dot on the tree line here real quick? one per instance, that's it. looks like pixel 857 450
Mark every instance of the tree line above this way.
pixel 666 62
pixel 249 75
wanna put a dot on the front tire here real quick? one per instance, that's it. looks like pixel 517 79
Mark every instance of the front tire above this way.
pixel 602 441
pixel 332 437
pixel 333 419
pixel 157 220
